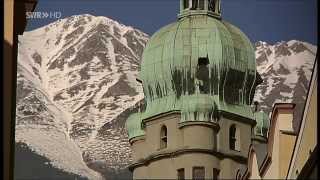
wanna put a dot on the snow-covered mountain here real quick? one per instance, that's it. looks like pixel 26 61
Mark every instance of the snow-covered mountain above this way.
pixel 285 68
pixel 75 77
pixel 76 87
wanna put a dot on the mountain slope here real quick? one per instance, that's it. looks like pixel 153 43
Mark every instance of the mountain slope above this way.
pixel 74 76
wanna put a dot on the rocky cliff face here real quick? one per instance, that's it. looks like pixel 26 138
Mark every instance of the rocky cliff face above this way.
pixel 286 69
pixel 77 85
pixel 75 77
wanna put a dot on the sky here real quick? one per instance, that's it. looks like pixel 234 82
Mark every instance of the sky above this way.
pixel 261 20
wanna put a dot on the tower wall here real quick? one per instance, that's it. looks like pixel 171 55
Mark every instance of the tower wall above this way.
pixel 199 78
pixel 167 168
pixel 197 144
pixel 245 130
pixel 229 168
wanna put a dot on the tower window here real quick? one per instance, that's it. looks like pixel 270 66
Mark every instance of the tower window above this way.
pixel 215 174
pixel 163 137
pixel 195 4
pixel 202 75
pixel 201 4
pixel 234 138
pixel 181 174
pixel 203 61
pixel 212 5
pixel 198 173
pixel 185 4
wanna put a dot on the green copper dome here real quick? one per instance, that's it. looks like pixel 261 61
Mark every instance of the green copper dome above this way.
pixel 199 66
pixel 262 126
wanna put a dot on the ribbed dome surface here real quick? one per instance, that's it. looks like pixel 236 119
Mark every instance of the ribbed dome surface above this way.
pixel 198 55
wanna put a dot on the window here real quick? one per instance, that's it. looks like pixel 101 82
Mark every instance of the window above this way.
pixel 203 61
pixel 238 175
pixel 194 4
pixel 234 138
pixel 212 5
pixel 201 4
pixel 185 4
pixel 202 75
pixel 215 174
pixel 180 173
pixel 163 137
pixel 198 173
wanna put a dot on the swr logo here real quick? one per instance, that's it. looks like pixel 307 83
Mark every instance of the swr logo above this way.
pixel 43 15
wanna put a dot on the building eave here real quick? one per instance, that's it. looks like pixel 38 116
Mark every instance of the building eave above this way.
pixel 268 158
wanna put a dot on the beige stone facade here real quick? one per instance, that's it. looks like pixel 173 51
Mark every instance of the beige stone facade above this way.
pixel 189 145
pixel 206 144
pixel 289 155
pixel 306 143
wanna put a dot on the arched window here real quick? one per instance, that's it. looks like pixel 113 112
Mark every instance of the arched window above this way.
pixel 234 138
pixel 163 137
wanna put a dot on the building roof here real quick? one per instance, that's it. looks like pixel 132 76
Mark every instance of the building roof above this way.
pixel 170 65
pixel 263 152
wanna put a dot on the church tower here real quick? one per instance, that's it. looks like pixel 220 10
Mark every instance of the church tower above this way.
pixel 199 78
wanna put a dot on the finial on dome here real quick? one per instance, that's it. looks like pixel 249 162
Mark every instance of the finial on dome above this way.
pixel 205 7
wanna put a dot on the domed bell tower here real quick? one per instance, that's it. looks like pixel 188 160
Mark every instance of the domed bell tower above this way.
pixel 199 78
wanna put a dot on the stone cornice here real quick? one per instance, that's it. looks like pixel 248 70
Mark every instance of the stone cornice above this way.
pixel 213 125
pixel 135 139
pixel 144 121
pixel 175 153
pixel 225 114
pixel 199 12
pixel 233 116
pixel 260 139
